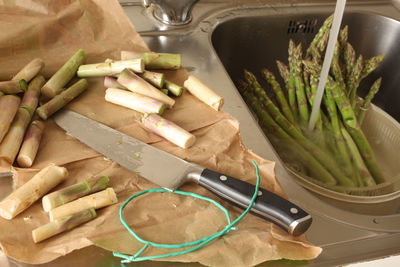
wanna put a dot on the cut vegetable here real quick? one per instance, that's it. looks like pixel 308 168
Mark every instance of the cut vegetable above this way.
pixel 13 87
pixel 75 191
pixel 31 96
pixel 138 102
pixel 110 82
pixel 12 141
pixel 62 99
pixel 155 60
pixel 23 197
pixel 30 70
pixel 30 145
pixel 137 85
pixel 155 78
pixel 168 130
pixel 61 225
pixel 110 68
pixel 96 201
pixel 9 106
pixel 204 93
pixel 175 89
pixel 55 84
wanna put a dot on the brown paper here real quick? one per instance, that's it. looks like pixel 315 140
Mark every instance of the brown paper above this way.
pixel 54 30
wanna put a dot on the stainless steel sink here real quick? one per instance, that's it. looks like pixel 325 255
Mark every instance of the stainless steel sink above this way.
pixel 254 42
pixel 224 37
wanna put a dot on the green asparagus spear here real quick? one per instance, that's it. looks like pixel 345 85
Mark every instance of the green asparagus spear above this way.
pixel 299 86
pixel 316 169
pixel 367 101
pixel 296 133
pixel 280 96
pixel 354 81
pixel 349 59
pixel 324 28
pixel 292 85
pixel 371 64
pixel 351 123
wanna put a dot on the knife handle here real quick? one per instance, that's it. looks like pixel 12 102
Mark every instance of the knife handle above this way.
pixel 268 205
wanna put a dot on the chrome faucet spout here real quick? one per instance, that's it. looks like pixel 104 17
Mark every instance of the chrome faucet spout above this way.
pixel 172 12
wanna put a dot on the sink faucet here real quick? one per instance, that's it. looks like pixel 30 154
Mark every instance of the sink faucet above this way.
pixel 172 12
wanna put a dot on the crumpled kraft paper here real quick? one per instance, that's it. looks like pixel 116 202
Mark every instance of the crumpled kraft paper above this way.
pixel 54 30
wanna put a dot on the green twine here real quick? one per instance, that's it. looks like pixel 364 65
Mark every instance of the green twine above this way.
pixel 195 245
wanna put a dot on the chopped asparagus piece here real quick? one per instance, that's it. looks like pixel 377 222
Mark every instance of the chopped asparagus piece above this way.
pixel 138 102
pixel 31 96
pixel 23 197
pixel 168 130
pixel 75 191
pixel 30 70
pixel 155 78
pixel 9 106
pixel 110 68
pixel 30 145
pixel 175 89
pixel 155 60
pixel 62 99
pixel 55 84
pixel 203 92
pixel 94 201
pixel 13 87
pixel 62 224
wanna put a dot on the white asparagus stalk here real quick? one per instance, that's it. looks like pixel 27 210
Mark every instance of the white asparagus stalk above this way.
pixel 61 225
pixel 168 130
pixel 110 82
pixel 23 197
pixel 8 109
pixel 30 145
pixel 30 70
pixel 96 201
pixel 131 100
pixel 137 85
pixel 154 60
pixel 12 141
pixel 75 191
pixel 204 93
pixel 110 68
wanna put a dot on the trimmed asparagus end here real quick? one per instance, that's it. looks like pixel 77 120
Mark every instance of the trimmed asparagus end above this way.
pixel 175 89
pixel 154 60
pixel 137 85
pixel 131 100
pixel 75 191
pixel 9 106
pixel 96 201
pixel 63 75
pixel 155 78
pixel 59 101
pixel 13 87
pixel 168 130
pixel 110 68
pixel 204 93
pixel 27 194
pixel 63 224
pixel 110 82
pixel 30 70
pixel 12 141
pixel 30 144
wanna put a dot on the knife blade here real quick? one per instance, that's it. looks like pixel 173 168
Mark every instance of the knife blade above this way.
pixel 170 172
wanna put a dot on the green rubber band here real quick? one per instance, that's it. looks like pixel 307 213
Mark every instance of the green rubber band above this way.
pixel 195 245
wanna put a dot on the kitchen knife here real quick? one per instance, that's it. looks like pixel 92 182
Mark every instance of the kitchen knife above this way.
pixel 170 172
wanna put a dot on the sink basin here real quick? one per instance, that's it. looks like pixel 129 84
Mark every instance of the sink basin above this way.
pixel 257 42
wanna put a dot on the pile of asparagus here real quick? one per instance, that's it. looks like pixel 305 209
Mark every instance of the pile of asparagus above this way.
pixel 132 83
pixel 21 121
pixel 336 154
